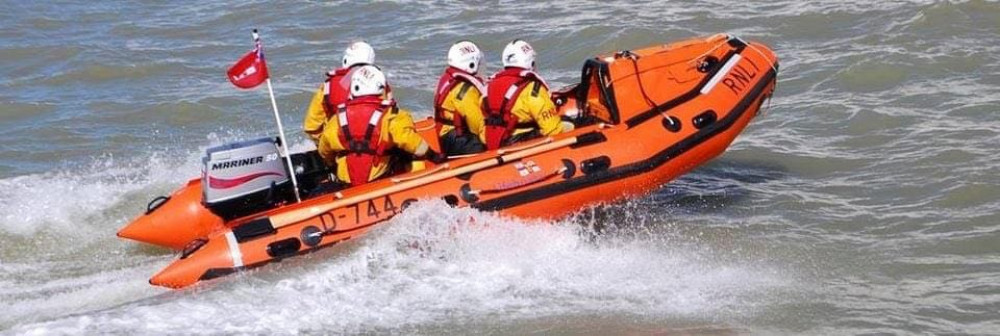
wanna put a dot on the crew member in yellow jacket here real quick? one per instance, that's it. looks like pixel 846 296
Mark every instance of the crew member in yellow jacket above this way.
pixel 518 103
pixel 359 138
pixel 458 101
pixel 334 90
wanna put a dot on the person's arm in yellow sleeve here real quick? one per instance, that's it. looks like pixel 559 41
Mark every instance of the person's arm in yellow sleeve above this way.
pixel 403 134
pixel 315 116
pixel 470 106
pixel 329 143
pixel 542 109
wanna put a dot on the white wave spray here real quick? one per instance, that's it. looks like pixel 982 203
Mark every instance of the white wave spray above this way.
pixel 434 264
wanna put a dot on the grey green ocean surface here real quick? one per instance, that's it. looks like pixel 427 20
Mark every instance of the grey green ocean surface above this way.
pixel 865 200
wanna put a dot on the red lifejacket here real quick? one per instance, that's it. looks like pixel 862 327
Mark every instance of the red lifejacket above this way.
pixel 360 133
pixel 502 93
pixel 451 78
pixel 336 89
pixel 339 91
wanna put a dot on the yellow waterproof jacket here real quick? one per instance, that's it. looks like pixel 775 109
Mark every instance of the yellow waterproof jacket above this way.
pixel 535 104
pixel 315 116
pixel 397 130
pixel 467 101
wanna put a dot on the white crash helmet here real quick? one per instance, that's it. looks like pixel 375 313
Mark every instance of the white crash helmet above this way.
pixel 366 81
pixel 466 56
pixel 358 53
pixel 519 54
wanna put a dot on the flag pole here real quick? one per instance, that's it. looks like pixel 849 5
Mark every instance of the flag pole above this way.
pixel 281 130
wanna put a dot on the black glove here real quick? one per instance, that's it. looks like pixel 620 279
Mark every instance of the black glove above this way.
pixel 436 157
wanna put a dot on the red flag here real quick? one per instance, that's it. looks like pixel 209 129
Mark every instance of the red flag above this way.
pixel 250 70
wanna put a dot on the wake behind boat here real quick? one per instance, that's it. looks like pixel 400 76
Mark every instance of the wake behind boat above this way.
pixel 643 118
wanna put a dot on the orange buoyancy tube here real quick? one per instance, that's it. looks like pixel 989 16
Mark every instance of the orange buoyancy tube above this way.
pixel 360 133
pixel 502 94
pixel 451 78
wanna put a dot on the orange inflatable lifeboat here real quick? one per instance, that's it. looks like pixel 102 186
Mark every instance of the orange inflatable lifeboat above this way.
pixel 643 118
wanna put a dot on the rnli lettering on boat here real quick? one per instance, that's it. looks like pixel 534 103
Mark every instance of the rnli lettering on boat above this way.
pixel 237 163
pixel 740 77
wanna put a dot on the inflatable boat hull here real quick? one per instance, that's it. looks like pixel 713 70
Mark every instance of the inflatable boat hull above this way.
pixel 660 112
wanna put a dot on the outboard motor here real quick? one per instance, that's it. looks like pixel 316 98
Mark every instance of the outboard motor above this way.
pixel 244 177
